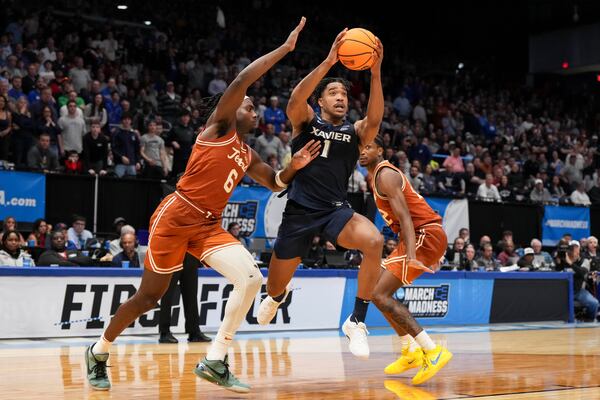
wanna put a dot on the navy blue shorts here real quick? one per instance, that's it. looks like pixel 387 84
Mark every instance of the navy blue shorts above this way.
pixel 301 224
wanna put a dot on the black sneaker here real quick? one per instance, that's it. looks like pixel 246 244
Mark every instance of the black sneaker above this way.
pixel 199 337
pixel 167 337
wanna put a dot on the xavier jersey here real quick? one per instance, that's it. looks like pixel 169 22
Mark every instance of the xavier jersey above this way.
pixel 323 183
pixel 213 171
pixel 420 211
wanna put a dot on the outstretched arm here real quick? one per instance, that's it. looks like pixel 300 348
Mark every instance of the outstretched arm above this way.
pixel 368 127
pixel 298 111
pixel 262 172
pixel 235 92
pixel 390 184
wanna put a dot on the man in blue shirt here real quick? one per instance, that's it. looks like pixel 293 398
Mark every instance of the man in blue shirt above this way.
pixel 275 115
pixel 126 149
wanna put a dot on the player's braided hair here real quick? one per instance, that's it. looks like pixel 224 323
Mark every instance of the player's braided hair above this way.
pixel 207 106
pixel 326 81
pixel 378 140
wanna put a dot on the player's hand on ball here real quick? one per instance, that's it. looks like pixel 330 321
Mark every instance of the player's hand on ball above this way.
pixel 291 40
pixel 376 67
pixel 309 152
pixel 332 57
pixel 416 264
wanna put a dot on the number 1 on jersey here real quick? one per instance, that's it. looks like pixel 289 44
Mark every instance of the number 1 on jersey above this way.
pixel 326 145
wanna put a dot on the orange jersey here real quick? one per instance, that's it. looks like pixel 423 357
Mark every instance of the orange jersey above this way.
pixel 420 211
pixel 214 169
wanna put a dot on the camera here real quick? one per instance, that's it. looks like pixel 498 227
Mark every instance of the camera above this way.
pixel 561 251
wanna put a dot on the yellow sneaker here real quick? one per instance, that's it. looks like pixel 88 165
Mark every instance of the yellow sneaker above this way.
pixel 433 361
pixel 408 360
pixel 406 392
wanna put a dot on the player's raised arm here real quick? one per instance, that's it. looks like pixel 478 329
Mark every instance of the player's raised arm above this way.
pixel 298 111
pixel 235 92
pixel 262 172
pixel 390 183
pixel 368 127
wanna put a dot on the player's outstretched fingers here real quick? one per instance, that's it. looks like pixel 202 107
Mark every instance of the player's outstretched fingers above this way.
pixel 416 264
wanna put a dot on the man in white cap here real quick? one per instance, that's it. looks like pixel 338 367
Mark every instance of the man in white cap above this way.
pixel 539 194
pixel 525 263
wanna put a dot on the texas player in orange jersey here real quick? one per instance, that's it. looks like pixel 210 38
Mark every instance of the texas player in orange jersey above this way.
pixel 189 220
pixel 422 242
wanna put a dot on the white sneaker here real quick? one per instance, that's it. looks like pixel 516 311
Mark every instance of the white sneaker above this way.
pixel 268 308
pixel 357 334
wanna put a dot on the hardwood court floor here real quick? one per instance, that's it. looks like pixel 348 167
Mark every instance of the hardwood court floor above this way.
pixel 516 364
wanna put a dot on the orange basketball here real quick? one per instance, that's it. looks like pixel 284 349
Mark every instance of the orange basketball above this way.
pixel 358 50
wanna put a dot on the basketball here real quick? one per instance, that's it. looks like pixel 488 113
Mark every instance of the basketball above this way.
pixel 358 50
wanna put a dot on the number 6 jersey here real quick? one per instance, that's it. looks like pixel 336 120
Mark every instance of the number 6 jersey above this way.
pixel 323 183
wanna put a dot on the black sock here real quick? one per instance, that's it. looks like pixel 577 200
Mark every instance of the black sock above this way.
pixel 360 310
pixel 280 297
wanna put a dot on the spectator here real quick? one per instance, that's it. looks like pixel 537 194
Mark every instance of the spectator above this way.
pixel 58 254
pixel 73 164
pixel 5 128
pixel 539 194
pixel 464 234
pixel 556 190
pixel 454 162
pixel 126 149
pixel 114 111
pixel 268 143
pixel 469 263
pixel 541 259
pixel 508 256
pixel 79 75
pixel 526 263
pixel 40 157
pixel 10 224
pixel 487 259
pixel 389 247
pixel 571 260
pixel 236 231
pixel 429 182
pixel 95 111
pixel 71 96
pixel 129 252
pixel 115 245
pixel 505 190
pixel 72 130
pixel 455 256
pixel 579 196
pixel 414 177
pixel 95 151
pixel 23 129
pixel 62 227
pixel 11 254
pixel 39 234
pixel 274 115
pixel 77 233
pixel 181 138
pixel 46 100
pixel 168 103
pixel 17 90
pixel 487 191
pixel 217 84
pixel 356 183
pixel 286 149
pixel 152 150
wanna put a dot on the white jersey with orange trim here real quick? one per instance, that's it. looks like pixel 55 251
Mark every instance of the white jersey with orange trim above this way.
pixel 420 212
pixel 214 169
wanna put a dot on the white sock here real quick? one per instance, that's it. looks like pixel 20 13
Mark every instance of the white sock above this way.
pixel 408 341
pixel 101 346
pixel 425 341
pixel 218 348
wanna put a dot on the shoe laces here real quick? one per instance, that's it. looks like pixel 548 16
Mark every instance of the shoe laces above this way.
pixel 100 369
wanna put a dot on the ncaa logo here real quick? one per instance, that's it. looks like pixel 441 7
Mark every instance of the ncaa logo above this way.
pixel 243 213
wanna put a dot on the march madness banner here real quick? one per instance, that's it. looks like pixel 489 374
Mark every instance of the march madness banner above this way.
pixel 35 306
pixel 22 195
pixel 559 220
pixel 455 215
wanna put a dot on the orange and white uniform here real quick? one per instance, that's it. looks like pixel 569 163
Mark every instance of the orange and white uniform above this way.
pixel 431 241
pixel 189 220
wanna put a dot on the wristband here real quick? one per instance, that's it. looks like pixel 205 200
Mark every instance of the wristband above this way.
pixel 278 180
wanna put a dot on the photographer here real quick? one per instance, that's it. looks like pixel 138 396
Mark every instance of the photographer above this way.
pixel 468 261
pixel 568 258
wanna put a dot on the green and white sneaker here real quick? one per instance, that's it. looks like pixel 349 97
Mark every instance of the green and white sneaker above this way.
pixel 217 372
pixel 96 369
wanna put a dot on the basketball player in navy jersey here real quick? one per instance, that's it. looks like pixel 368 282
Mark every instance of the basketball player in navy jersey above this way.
pixel 317 195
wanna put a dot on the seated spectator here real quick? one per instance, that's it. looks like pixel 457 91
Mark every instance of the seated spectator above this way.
pixel 10 224
pixel 95 151
pixel 507 236
pixel 77 233
pixel 456 254
pixel 62 227
pixel 73 164
pixel 152 150
pixel 268 143
pixel 40 157
pixel 508 256
pixel 126 149
pixel 541 259
pixel 590 252
pixel 39 235
pixel 388 248
pixel 315 258
pixel 414 177
pixel 556 190
pixel 236 231
pixel 525 263
pixel 454 163
pixel 59 255
pixel 539 194
pixel 429 181
pixel 487 259
pixel 464 234
pixel 571 260
pixel 450 183
pixel 11 254
pixel 115 245
pixel 129 253
pixel 505 190
pixel 579 196
pixel 468 262
pixel 487 191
